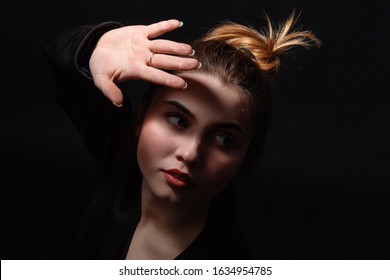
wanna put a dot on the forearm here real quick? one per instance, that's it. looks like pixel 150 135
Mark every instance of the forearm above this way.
pixel 69 51
pixel 102 125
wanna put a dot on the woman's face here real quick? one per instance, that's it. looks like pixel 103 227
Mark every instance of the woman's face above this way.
pixel 193 141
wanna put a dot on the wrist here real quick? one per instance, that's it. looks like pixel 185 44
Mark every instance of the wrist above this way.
pixel 87 45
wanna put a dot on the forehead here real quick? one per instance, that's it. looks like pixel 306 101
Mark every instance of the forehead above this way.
pixel 207 96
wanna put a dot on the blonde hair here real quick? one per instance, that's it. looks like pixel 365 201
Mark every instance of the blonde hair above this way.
pixel 267 46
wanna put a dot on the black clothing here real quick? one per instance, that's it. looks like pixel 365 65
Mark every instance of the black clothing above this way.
pixel 114 211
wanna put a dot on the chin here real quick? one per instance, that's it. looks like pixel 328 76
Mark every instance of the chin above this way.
pixel 164 192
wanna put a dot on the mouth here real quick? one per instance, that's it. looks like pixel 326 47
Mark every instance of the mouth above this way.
pixel 176 178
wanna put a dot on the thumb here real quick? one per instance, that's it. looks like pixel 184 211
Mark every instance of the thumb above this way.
pixel 109 89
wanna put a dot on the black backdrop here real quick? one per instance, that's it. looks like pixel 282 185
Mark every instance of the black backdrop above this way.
pixel 321 190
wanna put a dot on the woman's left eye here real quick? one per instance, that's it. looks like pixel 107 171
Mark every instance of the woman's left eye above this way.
pixel 224 141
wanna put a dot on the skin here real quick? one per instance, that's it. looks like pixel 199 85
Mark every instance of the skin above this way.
pixel 208 140
pixel 124 54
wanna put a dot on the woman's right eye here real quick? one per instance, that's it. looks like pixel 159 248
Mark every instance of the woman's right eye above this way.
pixel 177 121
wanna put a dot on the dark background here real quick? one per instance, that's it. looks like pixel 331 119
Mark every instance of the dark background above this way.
pixel 321 190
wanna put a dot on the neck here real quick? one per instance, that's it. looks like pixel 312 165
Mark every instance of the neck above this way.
pixel 171 216
pixel 166 227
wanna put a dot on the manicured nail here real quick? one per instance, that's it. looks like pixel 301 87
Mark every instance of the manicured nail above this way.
pixel 193 53
pixel 117 105
pixel 181 24
pixel 200 65
pixel 185 86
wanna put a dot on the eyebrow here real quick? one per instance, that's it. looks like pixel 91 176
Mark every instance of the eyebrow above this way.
pixel 181 107
pixel 231 126
pixel 227 125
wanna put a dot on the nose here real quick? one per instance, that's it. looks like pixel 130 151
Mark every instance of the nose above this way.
pixel 190 152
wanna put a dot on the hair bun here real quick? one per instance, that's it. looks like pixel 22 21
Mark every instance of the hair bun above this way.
pixel 267 46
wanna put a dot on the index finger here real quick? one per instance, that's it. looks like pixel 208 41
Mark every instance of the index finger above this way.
pixel 162 27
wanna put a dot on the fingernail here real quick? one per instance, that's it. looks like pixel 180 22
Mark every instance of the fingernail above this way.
pixel 117 105
pixel 193 53
pixel 200 65
pixel 185 86
pixel 181 24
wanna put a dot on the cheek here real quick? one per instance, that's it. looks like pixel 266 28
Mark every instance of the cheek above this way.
pixel 153 143
pixel 222 168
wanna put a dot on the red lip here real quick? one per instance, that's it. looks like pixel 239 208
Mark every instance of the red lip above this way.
pixel 176 178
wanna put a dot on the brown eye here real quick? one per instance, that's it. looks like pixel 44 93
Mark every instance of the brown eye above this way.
pixel 224 141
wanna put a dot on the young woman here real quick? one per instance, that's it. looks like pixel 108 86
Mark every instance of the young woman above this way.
pixel 168 168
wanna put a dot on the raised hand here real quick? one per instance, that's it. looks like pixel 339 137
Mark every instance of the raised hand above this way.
pixel 132 52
